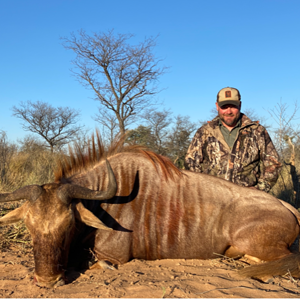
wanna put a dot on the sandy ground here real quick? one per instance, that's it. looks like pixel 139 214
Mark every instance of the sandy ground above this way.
pixel 169 278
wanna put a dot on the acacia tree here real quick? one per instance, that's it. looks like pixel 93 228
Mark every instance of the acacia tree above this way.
pixel 165 135
pixel 154 134
pixel 123 76
pixel 142 135
pixel 56 125
pixel 179 139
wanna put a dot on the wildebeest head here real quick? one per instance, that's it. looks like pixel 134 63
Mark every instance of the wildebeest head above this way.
pixel 50 214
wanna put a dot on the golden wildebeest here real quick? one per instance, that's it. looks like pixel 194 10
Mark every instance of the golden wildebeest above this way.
pixel 148 209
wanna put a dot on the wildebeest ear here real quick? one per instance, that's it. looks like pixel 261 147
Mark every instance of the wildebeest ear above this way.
pixel 88 218
pixel 15 216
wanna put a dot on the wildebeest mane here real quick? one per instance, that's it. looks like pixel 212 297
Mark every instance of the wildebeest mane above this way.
pixel 80 160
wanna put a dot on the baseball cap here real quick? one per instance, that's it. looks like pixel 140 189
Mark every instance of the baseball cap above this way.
pixel 229 95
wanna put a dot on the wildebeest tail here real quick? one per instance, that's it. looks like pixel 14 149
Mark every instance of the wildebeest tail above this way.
pixel 289 264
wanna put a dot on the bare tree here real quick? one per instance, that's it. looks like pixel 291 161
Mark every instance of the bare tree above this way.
pixel 109 122
pixel 122 76
pixel 56 125
pixel 82 139
pixel 285 124
pixel 287 134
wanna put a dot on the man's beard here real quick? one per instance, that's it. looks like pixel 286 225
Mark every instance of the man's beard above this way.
pixel 232 122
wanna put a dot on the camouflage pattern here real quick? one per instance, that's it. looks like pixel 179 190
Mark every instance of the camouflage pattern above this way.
pixel 252 161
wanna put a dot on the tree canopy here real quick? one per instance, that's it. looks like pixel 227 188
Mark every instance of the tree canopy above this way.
pixel 122 76
pixel 56 125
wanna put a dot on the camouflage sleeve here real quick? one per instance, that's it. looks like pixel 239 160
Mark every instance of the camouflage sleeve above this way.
pixel 271 166
pixel 194 157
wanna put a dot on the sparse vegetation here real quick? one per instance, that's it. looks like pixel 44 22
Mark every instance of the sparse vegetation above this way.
pixel 32 162
pixel 15 235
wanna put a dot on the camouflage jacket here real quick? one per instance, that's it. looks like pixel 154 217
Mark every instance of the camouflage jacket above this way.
pixel 252 161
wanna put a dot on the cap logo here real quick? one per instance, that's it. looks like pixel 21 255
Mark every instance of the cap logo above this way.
pixel 228 94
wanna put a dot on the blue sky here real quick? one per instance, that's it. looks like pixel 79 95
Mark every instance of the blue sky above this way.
pixel 251 45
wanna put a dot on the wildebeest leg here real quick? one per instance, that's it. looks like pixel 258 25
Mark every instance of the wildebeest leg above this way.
pixel 233 252
pixel 102 264
pixel 264 250
pixel 269 240
pixel 265 274
pixel 253 258
pixel 104 261
pixel 272 247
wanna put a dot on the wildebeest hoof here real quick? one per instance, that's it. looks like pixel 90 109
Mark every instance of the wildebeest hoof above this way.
pixel 60 283
pixel 49 284
pixel 101 264
pixel 57 284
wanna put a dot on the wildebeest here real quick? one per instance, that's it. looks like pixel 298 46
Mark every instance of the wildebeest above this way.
pixel 147 208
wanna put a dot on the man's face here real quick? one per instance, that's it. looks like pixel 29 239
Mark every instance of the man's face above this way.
pixel 229 114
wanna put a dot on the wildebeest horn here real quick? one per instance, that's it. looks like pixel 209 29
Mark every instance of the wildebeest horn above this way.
pixel 79 192
pixel 29 192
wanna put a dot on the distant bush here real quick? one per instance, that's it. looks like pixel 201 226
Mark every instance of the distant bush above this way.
pixel 284 189
pixel 33 163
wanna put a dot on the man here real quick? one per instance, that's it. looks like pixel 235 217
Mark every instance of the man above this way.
pixel 233 147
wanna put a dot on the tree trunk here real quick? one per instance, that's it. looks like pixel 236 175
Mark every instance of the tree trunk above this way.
pixel 122 127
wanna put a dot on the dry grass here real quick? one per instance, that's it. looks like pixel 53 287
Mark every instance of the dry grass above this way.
pixel 284 189
pixel 34 167
pixel 28 168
